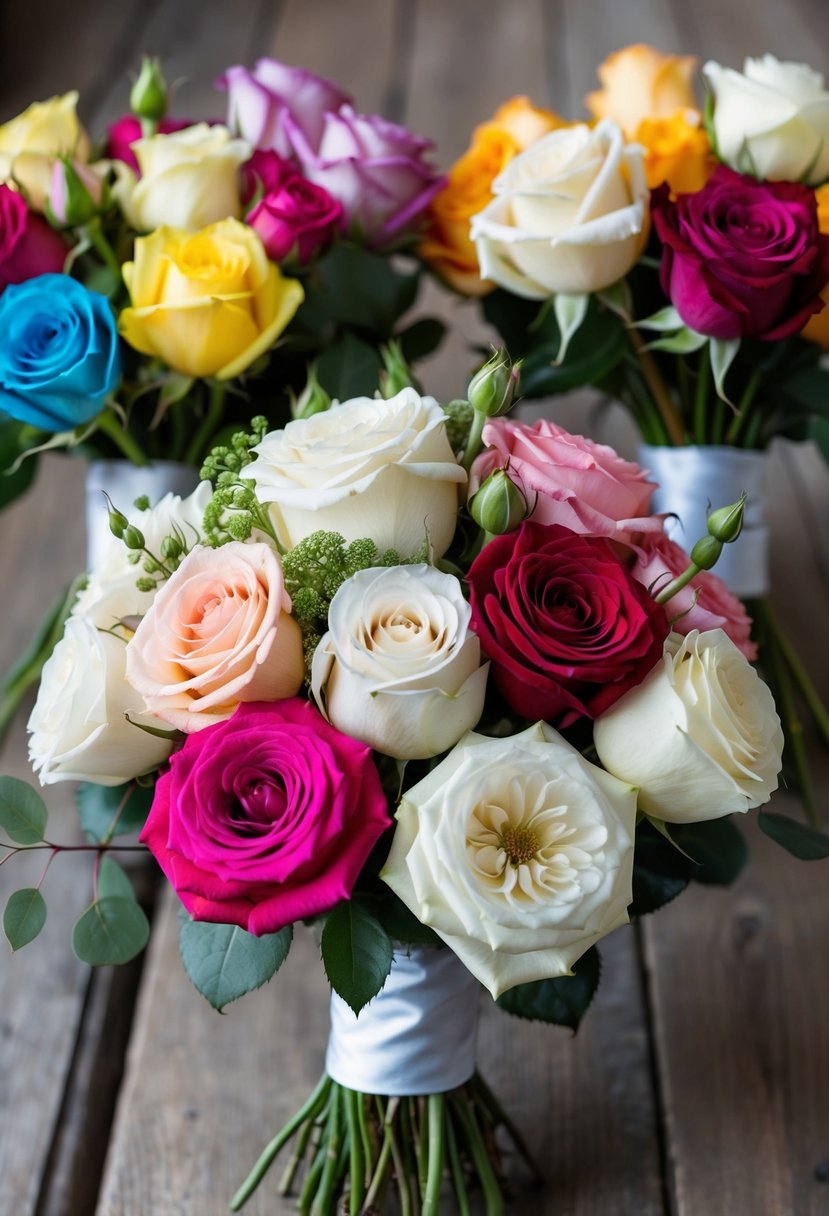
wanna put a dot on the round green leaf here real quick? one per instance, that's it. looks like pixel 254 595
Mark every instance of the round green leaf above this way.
pixel 113 930
pixel 99 804
pixel 24 917
pixel 22 811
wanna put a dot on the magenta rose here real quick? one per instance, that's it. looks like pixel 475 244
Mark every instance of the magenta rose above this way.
pixel 567 627
pixel 567 479
pixel 260 102
pixel 266 818
pixel 742 258
pixel 28 246
pixel 121 135
pixel 295 214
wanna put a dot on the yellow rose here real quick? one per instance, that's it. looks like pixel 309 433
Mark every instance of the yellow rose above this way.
pixel 525 122
pixel 817 327
pixel 640 82
pixel 677 151
pixel 31 143
pixel 208 303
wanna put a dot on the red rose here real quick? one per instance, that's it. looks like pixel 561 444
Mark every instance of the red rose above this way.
pixel 28 246
pixel 567 627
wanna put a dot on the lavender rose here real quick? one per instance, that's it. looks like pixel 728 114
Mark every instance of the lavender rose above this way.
pixel 260 102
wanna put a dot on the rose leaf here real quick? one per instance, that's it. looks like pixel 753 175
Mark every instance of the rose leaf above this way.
pixel 22 811
pixel 356 954
pixel 112 930
pixel 660 870
pixel 562 1001
pixel 24 917
pixel 801 841
pixel 224 961
pixel 715 846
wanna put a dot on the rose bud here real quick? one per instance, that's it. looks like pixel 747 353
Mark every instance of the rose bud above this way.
pixel 148 99
pixel 499 506
pixel 76 195
pixel 492 389
pixel 313 399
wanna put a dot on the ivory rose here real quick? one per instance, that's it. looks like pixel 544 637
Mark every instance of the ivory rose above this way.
pixel 518 853
pixel 699 736
pixel 399 668
pixel 217 633
pixel 640 82
pixel 366 468
pixel 31 143
pixel 569 215
pixel 772 119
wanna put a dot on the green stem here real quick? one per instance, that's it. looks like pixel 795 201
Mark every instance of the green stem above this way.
pixel 209 424
pixel 676 584
pixel 493 1199
pixel 457 1171
pixel 357 1161
pixel 120 436
pixel 436 1123
pixel 801 677
pixel 658 389
pixel 287 1179
pixel 325 1195
pixel 651 423
pixel 473 443
pixel 102 247
pixel 754 431
pixel 381 1168
pixel 738 422
pixel 701 395
pixel 500 1116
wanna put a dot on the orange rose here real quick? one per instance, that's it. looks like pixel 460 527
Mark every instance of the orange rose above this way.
pixel 817 327
pixel 677 151
pixel 640 82
pixel 525 122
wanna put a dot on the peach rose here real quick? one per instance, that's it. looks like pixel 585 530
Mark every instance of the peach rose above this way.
pixel 218 633
pixel 817 327
pixel 640 82
pixel 525 122
pixel 677 151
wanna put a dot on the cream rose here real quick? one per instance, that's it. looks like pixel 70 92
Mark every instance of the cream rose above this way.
pixel 518 853
pixel 366 468
pixel 31 143
pixel 399 668
pixel 219 632
pixel 699 736
pixel 569 215
pixel 189 179
pixel 772 119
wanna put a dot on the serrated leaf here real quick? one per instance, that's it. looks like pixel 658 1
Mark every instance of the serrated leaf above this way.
pixel 356 954
pixel 98 805
pixel 723 354
pixel 716 848
pixel 561 1002
pixel 23 812
pixel 224 961
pixel 803 842
pixel 570 312
pixel 24 917
pixel 113 881
pixel 113 930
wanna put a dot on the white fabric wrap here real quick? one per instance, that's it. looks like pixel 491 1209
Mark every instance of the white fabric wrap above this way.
pixel 418 1034
pixel 124 482
pixel 693 480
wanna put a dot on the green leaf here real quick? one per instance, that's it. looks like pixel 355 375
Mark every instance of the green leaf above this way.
pixel 98 805
pixel 113 930
pixel 723 354
pixel 362 290
pixel 113 881
pixel 22 811
pixel 224 962
pixel 349 368
pixel 421 339
pixel 563 1001
pixel 24 917
pixel 570 312
pixel 664 321
pixel 660 871
pixel 683 342
pixel 356 954
pixel 808 844
pixel 12 445
pixel 402 925
pixel 716 847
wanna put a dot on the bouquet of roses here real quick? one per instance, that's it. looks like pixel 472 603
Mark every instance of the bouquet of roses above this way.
pixel 359 680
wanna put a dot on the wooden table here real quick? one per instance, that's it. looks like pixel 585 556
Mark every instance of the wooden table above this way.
pixel 699 1083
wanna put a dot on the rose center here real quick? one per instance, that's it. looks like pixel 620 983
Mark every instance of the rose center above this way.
pixel 520 845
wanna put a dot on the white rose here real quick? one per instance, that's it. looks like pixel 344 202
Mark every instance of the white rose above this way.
pixel 189 179
pixel 366 468
pixel 772 119
pixel 569 215
pixel 399 668
pixel 518 853
pixel 699 736
pixel 31 143
pixel 78 729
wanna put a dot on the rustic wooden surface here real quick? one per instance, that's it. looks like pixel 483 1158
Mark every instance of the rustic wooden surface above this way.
pixel 699 1083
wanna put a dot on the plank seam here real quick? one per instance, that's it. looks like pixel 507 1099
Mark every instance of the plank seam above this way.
pixel 666 1168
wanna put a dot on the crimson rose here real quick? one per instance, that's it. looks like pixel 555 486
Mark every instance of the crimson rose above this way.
pixel 568 629
pixel 28 246
pixel 742 258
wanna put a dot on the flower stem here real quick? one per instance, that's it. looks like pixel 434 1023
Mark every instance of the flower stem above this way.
pixel 102 247
pixel 209 424
pixel 659 389
pixel 801 677
pixel 456 1168
pixel 436 1124
pixel 499 1115
pixel 325 1195
pixel 493 1199
pixel 120 436
pixel 701 395
pixel 357 1162
pixel 474 440
pixel 738 422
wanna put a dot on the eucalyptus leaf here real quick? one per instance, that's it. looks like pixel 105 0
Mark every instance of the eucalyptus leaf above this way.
pixel 22 811
pixel 112 930
pixel 113 881
pixel 803 842
pixel 99 804
pixel 224 962
pixel 562 1001
pixel 356 954
pixel 24 917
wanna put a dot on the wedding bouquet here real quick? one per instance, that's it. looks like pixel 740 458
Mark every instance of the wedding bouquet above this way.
pixel 360 681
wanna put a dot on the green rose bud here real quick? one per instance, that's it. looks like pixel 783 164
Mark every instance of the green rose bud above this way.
pixel 396 374
pixel 706 552
pixel 492 389
pixel 313 399
pixel 499 506
pixel 148 98
pixel 133 538
pixel 726 523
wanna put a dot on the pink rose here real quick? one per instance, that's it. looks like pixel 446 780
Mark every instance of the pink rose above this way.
pixel 267 818
pixel 28 246
pixel 567 479
pixel 260 102
pixel 264 172
pixel 121 135
pixel 295 214
pixel 217 633
pixel 706 603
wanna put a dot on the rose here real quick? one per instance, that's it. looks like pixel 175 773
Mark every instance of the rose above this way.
pixel 28 246
pixel 742 258
pixel 699 737
pixel 399 668
pixel 817 327
pixel 260 102
pixel 705 603
pixel 772 120
pixel 188 179
pixel 266 818
pixel 208 304
pixel 77 193
pixel 294 214
pixel 640 82
pixel 121 135
pixel 569 214
pixel 31 142
pixel 525 122
pixel 59 357
pixel 518 853
pixel 677 151
pixel 366 468
pixel 567 627
pixel 218 632
pixel 568 479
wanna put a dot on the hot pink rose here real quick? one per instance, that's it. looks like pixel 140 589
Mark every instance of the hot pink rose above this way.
pixel 28 246
pixel 121 135
pixel 267 818
pixel 567 479
pixel 264 172
pixel 260 102
pixel 217 633
pixel 706 603
pixel 295 214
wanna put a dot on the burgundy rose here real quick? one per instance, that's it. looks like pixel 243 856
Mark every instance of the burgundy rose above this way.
pixel 568 629
pixel 121 135
pixel 266 818
pixel 742 258
pixel 28 246
pixel 295 214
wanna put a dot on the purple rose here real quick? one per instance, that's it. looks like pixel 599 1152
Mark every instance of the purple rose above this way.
pixel 742 258
pixel 295 214
pixel 28 246
pixel 260 101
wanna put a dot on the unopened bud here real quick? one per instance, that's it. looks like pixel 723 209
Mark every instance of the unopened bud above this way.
pixel 726 523
pixel 117 522
pixel 148 97
pixel 499 506
pixel 133 538
pixel 313 399
pixel 396 374
pixel 706 552
pixel 492 389
pixel 76 194
pixel 171 548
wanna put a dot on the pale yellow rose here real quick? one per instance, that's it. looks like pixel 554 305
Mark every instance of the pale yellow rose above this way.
pixel 641 82
pixel 817 327
pixel 208 303
pixel 677 151
pixel 31 143
pixel 525 122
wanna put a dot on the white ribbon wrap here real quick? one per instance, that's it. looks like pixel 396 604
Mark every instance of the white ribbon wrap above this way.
pixel 418 1034
pixel 693 480
pixel 124 482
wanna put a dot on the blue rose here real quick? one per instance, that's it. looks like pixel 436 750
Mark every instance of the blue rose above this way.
pixel 59 356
